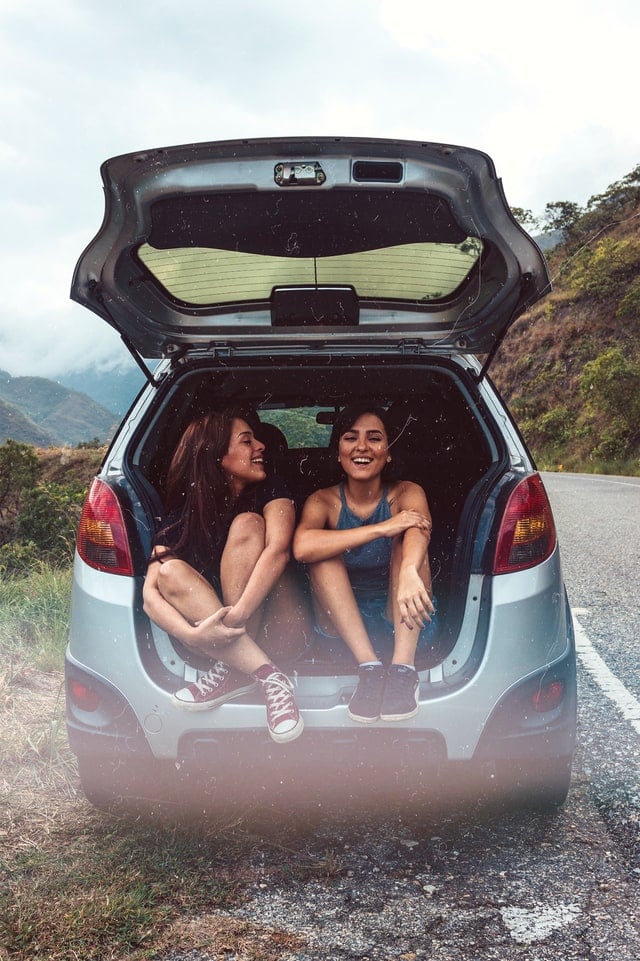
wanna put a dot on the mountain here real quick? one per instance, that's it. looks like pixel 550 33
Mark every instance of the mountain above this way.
pixel 115 389
pixel 15 425
pixel 41 412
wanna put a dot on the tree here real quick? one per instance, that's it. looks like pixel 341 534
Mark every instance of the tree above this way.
pixel 562 215
pixel 619 194
pixel 525 217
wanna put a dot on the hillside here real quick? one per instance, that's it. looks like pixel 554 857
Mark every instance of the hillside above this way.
pixel 74 468
pixel 570 367
pixel 41 412
pixel 14 424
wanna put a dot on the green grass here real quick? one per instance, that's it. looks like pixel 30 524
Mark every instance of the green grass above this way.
pixel 109 889
pixel 34 619
pixel 77 883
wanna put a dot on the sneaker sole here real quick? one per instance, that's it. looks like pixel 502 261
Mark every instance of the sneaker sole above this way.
pixel 291 735
pixel 363 720
pixel 399 717
pixel 210 705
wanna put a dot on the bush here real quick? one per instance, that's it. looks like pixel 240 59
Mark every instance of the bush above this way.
pixel 49 518
pixel 17 559
pixel 555 426
pixel 18 471
pixel 629 306
pixel 605 268
pixel 611 384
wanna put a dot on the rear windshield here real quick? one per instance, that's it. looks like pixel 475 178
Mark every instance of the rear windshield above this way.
pixel 413 272
pixel 216 249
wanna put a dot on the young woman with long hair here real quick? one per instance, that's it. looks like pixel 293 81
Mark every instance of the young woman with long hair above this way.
pixel 365 542
pixel 217 580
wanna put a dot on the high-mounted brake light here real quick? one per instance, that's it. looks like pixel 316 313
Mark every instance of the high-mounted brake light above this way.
pixel 527 533
pixel 102 535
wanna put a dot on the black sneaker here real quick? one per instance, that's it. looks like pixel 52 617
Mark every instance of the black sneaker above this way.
pixel 365 702
pixel 400 700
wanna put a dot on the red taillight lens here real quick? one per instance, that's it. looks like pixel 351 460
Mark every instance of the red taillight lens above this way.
pixel 527 533
pixel 102 536
pixel 83 696
pixel 548 697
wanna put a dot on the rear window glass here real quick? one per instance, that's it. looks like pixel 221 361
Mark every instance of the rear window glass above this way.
pixel 416 272
pixel 302 426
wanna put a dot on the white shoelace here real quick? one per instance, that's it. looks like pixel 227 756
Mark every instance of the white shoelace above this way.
pixel 279 696
pixel 213 678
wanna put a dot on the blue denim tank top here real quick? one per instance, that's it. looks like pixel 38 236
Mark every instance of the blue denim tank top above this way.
pixel 368 566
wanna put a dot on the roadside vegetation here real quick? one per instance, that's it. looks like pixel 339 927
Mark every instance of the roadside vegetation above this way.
pixel 570 368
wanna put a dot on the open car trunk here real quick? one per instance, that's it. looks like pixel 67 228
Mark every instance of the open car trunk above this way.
pixel 442 438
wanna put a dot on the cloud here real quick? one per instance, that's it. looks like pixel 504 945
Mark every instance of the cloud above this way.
pixel 548 91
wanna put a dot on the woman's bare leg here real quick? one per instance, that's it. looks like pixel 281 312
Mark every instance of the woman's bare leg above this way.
pixel 283 624
pixel 336 608
pixel 244 545
pixel 186 590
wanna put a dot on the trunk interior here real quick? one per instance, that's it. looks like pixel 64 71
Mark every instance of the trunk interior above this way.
pixel 442 438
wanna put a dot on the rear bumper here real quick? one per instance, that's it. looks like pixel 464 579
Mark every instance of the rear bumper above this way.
pixel 476 706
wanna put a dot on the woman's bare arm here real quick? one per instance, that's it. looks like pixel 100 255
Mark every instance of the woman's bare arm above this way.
pixel 315 540
pixel 414 575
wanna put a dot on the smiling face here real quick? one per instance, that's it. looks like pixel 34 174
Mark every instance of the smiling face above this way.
pixel 243 463
pixel 363 449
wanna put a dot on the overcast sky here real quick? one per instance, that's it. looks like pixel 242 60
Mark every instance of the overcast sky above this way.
pixel 548 89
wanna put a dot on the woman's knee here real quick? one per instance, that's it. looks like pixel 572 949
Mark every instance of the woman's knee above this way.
pixel 173 576
pixel 246 528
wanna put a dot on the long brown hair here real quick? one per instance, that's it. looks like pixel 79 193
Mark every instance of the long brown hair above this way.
pixel 199 498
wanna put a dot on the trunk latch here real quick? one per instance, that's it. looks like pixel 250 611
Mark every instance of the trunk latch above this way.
pixel 299 173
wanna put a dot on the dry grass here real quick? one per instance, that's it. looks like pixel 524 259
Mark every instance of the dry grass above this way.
pixel 76 883
pixel 37 776
pixel 69 465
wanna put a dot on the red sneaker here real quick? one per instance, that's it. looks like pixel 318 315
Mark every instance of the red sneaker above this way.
pixel 283 717
pixel 221 683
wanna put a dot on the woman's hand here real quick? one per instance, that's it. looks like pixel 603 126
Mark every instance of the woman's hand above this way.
pixel 416 607
pixel 235 617
pixel 212 632
pixel 403 521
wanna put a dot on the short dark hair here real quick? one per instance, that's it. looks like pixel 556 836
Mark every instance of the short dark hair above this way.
pixel 350 414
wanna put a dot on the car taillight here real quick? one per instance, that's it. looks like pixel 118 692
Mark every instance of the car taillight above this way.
pixel 527 533
pixel 548 697
pixel 102 535
pixel 83 696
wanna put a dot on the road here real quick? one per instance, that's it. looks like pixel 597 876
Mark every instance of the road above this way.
pixel 471 882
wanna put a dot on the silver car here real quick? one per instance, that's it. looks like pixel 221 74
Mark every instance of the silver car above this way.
pixel 296 276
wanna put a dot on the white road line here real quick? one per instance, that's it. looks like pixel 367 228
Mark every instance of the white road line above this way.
pixel 609 684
